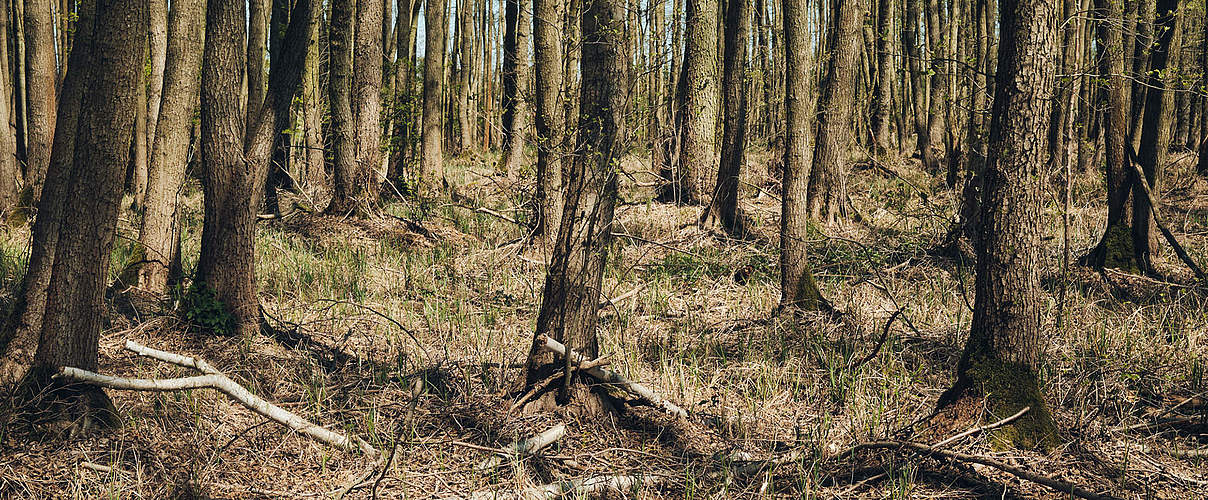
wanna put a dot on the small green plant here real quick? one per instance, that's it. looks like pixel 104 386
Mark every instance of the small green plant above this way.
pixel 201 307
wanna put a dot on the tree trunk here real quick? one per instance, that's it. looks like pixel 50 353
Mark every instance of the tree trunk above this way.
pixel 698 132
pixel 918 84
pixel 367 104
pixel 9 172
pixel 432 167
pixel 883 92
pixel 570 298
pixel 797 286
pixel 1144 41
pixel 1155 134
pixel 157 40
pixel 547 52
pixel 257 44
pixel 24 325
pixel 159 234
pixel 136 176
pixel 515 69
pixel 315 178
pixel 997 371
pixel 827 194
pixel 40 93
pixel 937 102
pixel 1202 163
pixel 75 310
pixel 659 145
pixel 723 207
pixel 465 51
pixel 343 125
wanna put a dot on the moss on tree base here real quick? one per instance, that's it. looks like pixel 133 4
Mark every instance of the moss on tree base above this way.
pixel 989 390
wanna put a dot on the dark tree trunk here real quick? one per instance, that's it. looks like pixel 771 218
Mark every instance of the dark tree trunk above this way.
pixel 343 126
pixel 883 92
pixel 797 286
pixel 570 298
pixel 159 234
pixel 367 105
pixel 25 323
pixel 547 55
pixel 432 167
pixel 997 371
pixel 1202 164
pixel 698 129
pixel 723 207
pixel 515 68
pixel 1143 40
pixel 918 84
pixel 1115 248
pixel 258 14
pixel 75 311
pixel 827 193
pixel 1155 134
pixel 9 171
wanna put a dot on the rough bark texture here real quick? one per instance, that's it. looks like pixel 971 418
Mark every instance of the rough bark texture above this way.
pixel 367 103
pixel 698 131
pixel 257 44
pixel 883 92
pixel 723 205
pixel 40 93
pixel 547 55
pixel 465 57
pixel 827 194
pixel 517 25
pixel 343 126
pixel 1202 164
pixel 1005 342
pixel 797 286
pixel 1155 134
pixel 1115 248
pixel 314 179
pixel 9 172
pixel 157 41
pixel 159 234
pixel 570 299
pixel 432 163
pixel 75 311
pixel 25 323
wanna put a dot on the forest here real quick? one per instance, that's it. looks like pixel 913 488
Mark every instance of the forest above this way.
pixel 541 249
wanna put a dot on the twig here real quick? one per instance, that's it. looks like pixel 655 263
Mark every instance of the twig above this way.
pixel 611 377
pixel 607 302
pixel 652 242
pixel 524 447
pixel 983 428
pixel 96 467
pixel 880 343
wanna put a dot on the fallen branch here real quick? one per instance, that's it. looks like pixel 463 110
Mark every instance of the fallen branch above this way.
pixel 574 488
pixel 524 447
pixel 1157 218
pixel 545 383
pixel 607 302
pixel 610 377
pixel 884 335
pixel 214 379
pixel 983 428
pixel 1199 453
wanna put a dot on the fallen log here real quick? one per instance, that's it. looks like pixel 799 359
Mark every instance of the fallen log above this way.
pixel 593 487
pixel 214 379
pixel 524 447
pixel 610 377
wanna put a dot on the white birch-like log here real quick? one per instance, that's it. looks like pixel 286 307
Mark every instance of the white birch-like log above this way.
pixel 215 379
pixel 526 446
pixel 610 377
pixel 593 487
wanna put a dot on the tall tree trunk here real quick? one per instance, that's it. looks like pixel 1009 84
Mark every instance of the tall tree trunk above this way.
pixel 698 133
pixel 1202 164
pixel 515 67
pixel 258 16
pixel 159 234
pixel 1144 41
pixel 883 92
pixel 343 125
pixel 236 160
pixel 918 84
pixel 157 40
pixel 723 207
pixel 75 310
pixel 40 92
pixel 797 286
pixel 827 193
pixel 465 51
pixel 570 298
pixel 432 167
pixel 315 178
pixel 937 102
pixel 1155 133
pixel 997 370
pixel 659 151
pixel 21 96
pixel 24 325
pixel 547 55
pixel 367 104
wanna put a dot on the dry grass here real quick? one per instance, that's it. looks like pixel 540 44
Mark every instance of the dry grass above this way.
pixel 364 308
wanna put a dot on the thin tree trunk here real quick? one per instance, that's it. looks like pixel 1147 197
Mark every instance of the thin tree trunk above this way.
pixel 258 16
pixel 9 172
pixel 159 234
pixel 432 168
pixel 465 55
pixel 698 131
pixel 918 84
pixel 883 92
pixel 343 124
pixel 1155 134
pixel 797 286
pixel 515 62
pixel 157 40
pixel 315 178
pixel 547 54
pixel 723 207
pixel 40 85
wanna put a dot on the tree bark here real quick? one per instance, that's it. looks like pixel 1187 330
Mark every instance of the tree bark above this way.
pixel 723 207
pixel 547 52
pixel 257 45
pixel 9 172
pixel 159 234
pixel 1005 342
pixel 315 178
pixel 918 85
pixel 698 131
pixel 515 69
pixel 157 40
pixel 797 286
pixel 75 311
pixel 40 93
pixel 571 295
pixel 24 325
pixel 827 193
pixel 883 92
pixel 465 65
pixel 343 126
pixel 432 166
pixel 1155 133
pixel 367 103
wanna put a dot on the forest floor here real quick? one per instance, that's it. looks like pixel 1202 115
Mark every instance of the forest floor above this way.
pixel 363 308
